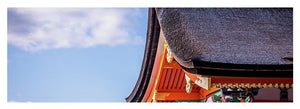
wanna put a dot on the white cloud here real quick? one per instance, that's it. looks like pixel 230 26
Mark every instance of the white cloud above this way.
pixel 34 29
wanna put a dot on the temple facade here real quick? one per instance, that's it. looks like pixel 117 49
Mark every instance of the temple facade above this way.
pixel 217 55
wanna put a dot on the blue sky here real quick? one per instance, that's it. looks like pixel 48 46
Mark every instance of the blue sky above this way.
pixel 74 54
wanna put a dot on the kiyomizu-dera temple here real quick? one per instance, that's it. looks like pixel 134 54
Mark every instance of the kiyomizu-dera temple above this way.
pixel 217 55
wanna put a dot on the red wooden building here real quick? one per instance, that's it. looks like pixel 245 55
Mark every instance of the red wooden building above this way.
pixel 217 55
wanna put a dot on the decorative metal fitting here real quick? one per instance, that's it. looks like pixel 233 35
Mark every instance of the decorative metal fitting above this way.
pixel 189 84
pixel 251 85
pixel 169 55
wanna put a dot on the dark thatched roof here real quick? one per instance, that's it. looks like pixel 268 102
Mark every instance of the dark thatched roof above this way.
pixel 229 35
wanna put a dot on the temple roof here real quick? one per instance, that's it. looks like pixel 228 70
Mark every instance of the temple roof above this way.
pixel 239 42
pixel 229 35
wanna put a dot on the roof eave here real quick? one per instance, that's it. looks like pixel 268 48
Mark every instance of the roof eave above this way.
pixel 149 58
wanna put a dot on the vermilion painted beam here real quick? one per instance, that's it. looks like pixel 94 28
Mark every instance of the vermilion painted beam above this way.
pixel 177 96
pixel 173 64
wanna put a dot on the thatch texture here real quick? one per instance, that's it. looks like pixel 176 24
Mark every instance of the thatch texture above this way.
pixel 229 35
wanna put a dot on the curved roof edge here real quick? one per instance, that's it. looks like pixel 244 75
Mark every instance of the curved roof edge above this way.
pixel 149 57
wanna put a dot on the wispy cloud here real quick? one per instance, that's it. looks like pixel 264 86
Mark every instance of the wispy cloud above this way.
pixel 34 29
